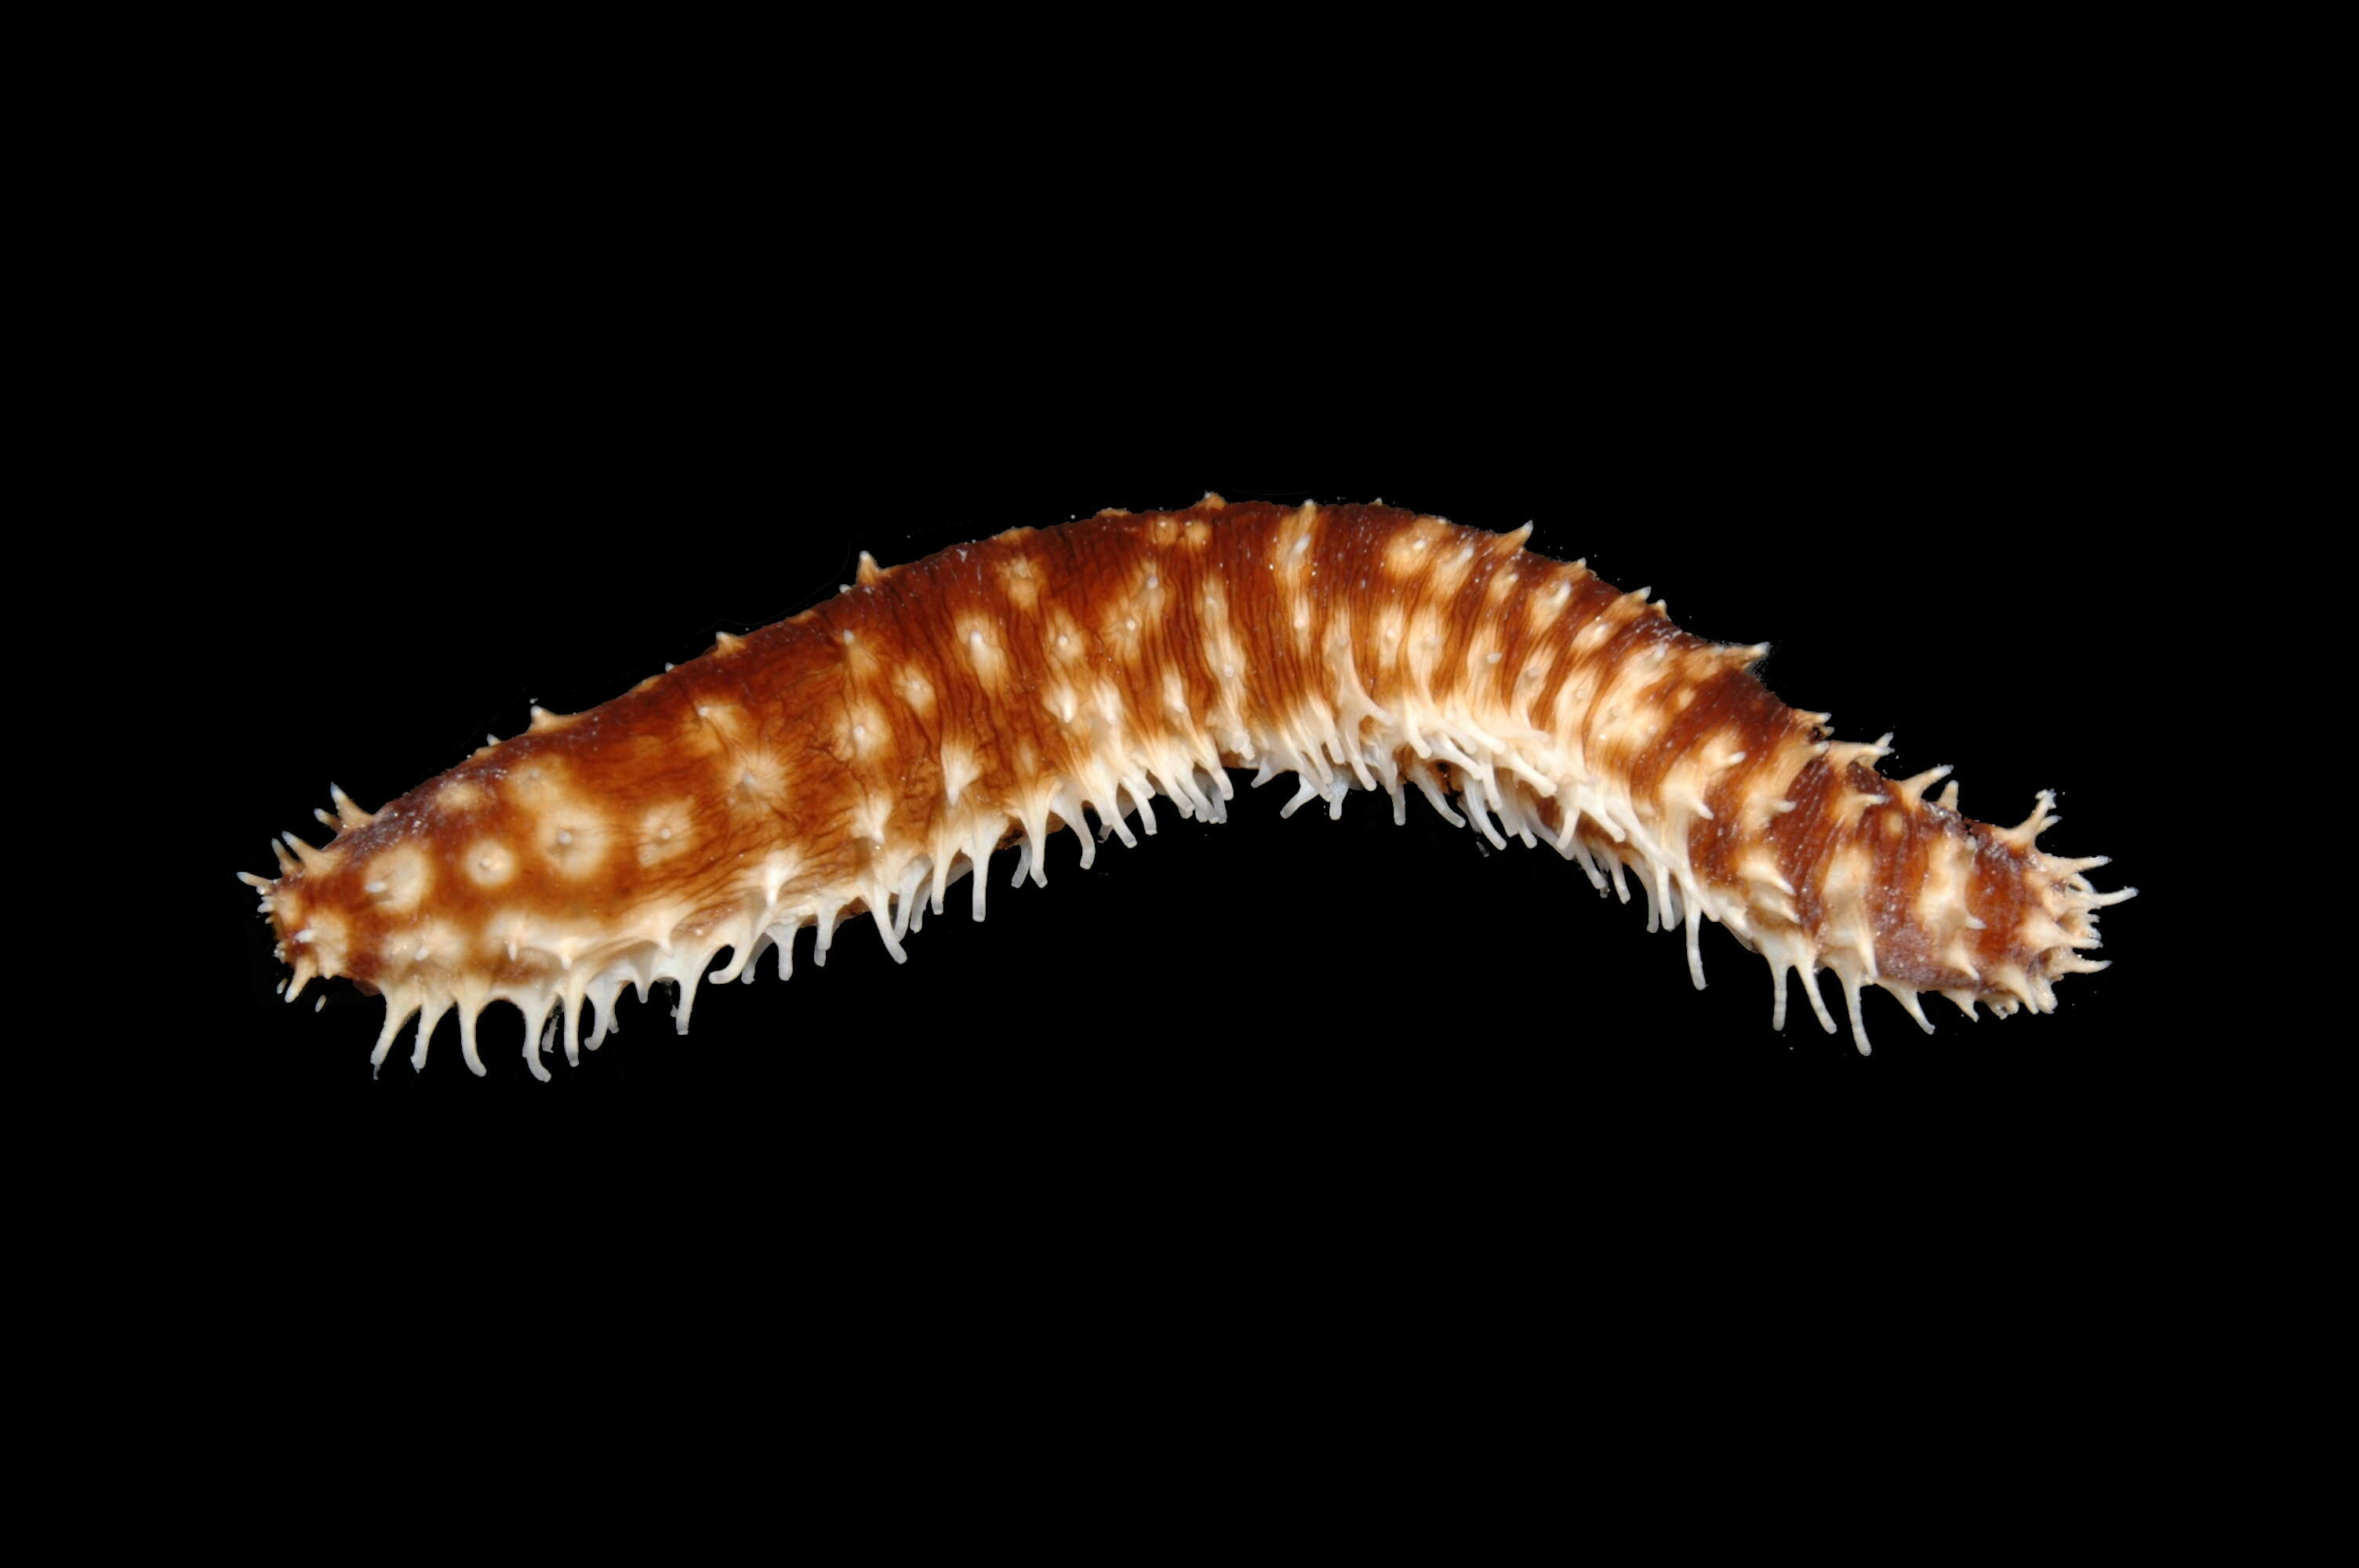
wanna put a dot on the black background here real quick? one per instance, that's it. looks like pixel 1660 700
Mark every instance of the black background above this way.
pixel 519 373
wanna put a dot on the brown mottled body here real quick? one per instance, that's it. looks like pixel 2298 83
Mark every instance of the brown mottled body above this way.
pixel 878 746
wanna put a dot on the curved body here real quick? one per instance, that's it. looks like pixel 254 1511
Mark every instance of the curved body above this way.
pixel 859 758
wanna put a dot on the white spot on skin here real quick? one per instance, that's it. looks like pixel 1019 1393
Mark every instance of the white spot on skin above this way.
pixel 984 653
pixel 959 771
pixel 490 863
pixel 405 877
pixel 574 838
pixel 1017 580
pixel 666 831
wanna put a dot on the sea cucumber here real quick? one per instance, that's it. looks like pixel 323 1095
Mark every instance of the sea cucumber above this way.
pixel 859 758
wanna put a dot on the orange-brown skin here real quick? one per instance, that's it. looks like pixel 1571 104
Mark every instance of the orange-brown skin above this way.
pixel 927 712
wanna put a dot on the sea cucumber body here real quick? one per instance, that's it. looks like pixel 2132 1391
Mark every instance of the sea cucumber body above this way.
pixel 860 757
